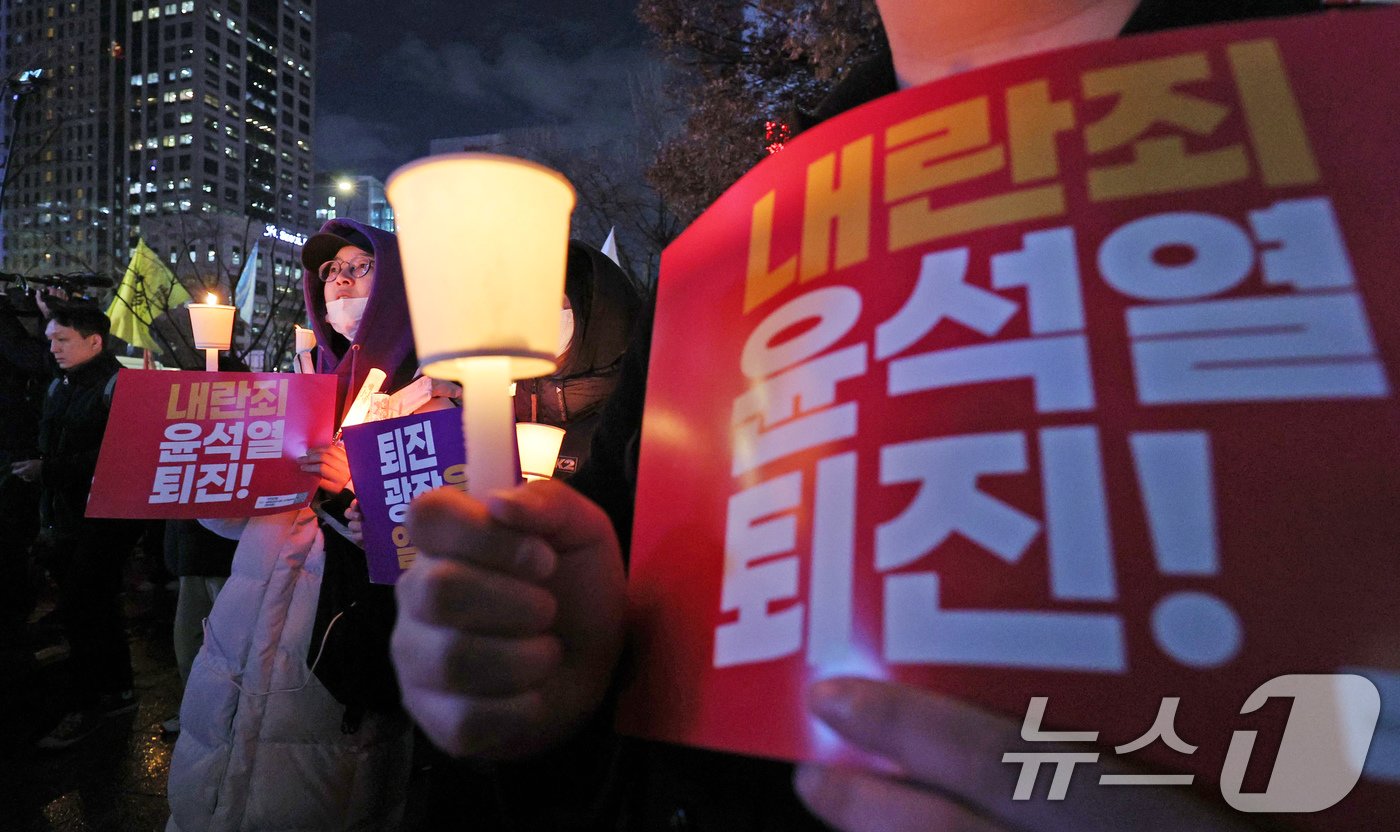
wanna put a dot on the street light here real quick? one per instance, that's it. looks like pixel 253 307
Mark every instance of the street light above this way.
pixel 345 186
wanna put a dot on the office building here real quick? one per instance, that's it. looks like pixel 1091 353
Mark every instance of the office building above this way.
pixel 185 123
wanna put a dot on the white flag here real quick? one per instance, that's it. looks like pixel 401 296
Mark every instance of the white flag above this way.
pixel 610 245
pixel 247 286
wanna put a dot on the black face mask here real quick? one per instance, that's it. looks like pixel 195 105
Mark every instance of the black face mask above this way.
pixel 1156 15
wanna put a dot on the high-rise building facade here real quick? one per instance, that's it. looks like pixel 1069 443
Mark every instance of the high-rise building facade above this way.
pixel 185 123
pixel 352 197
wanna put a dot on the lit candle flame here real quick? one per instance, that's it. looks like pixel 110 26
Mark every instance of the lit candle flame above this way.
pixel 211 299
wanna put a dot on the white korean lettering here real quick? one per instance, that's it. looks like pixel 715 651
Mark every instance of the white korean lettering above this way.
pixel 829 637
pixel 1222 256
pixel 1315 346
pixel 750 588
pixel 1058 366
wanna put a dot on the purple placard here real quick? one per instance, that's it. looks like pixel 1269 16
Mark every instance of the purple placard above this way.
pixel 391 462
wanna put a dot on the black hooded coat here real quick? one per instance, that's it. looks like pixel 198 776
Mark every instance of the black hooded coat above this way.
pixel 606 305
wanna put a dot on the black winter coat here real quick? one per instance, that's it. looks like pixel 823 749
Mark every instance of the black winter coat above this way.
pixel 193 551
pixel 70 437
pixel 606 306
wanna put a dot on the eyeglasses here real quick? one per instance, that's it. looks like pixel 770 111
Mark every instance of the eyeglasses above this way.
pixel 336 269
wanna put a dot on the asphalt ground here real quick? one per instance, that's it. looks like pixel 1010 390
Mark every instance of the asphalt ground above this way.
pixel 115 779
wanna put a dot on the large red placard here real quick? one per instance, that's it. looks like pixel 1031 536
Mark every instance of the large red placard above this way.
pixel 1073 377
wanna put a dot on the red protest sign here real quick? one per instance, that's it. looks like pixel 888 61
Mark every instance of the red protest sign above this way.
pixel 1068 378
pixel 187 445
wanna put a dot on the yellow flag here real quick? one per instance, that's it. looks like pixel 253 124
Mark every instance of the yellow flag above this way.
pixel 148 289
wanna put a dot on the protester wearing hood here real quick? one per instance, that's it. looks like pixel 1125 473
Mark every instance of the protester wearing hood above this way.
pixel 601 305
pixel 265 743
pixel 354 292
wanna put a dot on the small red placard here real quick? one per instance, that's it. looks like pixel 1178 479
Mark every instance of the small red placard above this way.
pixel 189 445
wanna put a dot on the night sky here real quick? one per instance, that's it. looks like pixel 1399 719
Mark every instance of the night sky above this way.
pixel 393 76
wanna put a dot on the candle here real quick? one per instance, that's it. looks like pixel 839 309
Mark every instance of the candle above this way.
pixel 359 408
pixel 483 240
pixel 211 324
pixel 539 449
pixel 305 343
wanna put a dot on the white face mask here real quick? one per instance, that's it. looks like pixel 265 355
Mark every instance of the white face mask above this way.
pixel 566 330
pixel 344 315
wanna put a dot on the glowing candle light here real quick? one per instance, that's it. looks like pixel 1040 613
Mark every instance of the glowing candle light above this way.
pixel 483 240
pixel 305 343
pixel 539 449
pixel 212 326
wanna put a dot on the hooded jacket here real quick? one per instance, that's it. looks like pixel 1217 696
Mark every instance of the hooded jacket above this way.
pixel 606 305
pixel 385 337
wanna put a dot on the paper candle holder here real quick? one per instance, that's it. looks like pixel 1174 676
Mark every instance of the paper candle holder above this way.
pixel 483 240
pixel 539 449
pixel 212 325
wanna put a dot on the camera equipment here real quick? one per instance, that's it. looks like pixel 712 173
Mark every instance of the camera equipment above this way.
pixel 75 283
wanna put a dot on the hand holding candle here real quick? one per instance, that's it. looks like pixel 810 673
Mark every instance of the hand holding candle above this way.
pixel 483 240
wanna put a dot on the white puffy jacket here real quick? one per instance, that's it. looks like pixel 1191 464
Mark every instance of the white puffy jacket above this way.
pixel 261 746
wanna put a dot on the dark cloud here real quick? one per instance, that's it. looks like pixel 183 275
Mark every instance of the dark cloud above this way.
pixel 351 143
pixel 437 69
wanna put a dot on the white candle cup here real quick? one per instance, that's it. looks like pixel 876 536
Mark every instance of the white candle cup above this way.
pixel 305 338
pixel 212 326
pixel 305 342
pixel 483 240
pixel 539 449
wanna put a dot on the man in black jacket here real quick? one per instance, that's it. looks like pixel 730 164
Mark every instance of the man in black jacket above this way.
pixel 85 555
